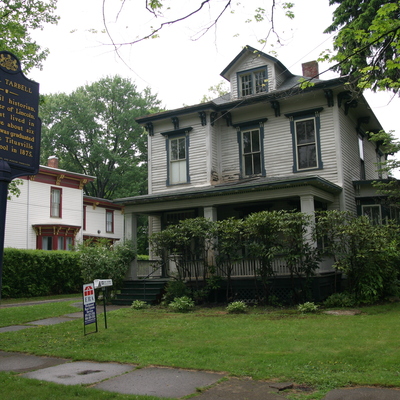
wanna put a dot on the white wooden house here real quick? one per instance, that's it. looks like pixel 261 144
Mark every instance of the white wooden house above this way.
pixel 51 212
pixel 266 145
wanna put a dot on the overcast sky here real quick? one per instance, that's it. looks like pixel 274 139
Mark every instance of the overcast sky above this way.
pixel 177 68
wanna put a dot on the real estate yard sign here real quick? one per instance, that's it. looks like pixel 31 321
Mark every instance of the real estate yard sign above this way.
pixel 89 306
pixel 20 130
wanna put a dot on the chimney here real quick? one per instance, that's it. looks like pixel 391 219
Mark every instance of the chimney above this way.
pixel 52 162
pixel 310 69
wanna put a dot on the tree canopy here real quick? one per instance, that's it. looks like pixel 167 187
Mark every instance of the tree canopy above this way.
pixel 93 131
pixel 367 42
pixel 17 19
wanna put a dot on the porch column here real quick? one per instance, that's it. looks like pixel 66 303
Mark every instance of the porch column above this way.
pixel 211 214
pixel 131 234
pixel 307 207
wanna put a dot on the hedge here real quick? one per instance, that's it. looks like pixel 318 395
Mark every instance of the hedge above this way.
pixel 28 273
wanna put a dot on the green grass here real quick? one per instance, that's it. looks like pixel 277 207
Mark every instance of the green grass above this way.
pixel 319 350
pixel 20 315
pixel 7 301
pixel 18 388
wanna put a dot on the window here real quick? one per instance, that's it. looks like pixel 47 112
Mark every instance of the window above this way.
pixel 252 82
pixel 177 151
pixel 109 221
pixel 305 128
pixel 251 148
pixel 55 202
pixel 361 154
pixel 69 243
pixel 306 144
pixel 251 152
pixel 373 212
pixel 55 237
pixel 177 146
pixel 60 243
pixel 47 243
pixel 84 218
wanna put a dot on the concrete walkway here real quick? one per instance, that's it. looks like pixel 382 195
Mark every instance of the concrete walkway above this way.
pixel 173 383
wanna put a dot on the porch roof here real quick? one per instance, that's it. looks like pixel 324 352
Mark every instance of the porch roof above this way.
pixel 234 188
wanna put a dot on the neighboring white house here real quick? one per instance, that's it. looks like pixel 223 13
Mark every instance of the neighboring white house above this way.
pixel 267 145
pixel 51 212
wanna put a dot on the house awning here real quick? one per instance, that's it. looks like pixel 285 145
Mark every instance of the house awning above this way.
pixel 56 229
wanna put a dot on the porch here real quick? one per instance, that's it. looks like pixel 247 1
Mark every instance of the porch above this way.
pixel 244 283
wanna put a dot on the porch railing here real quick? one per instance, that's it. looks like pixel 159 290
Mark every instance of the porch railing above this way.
pixel 193 269
pixel 147 268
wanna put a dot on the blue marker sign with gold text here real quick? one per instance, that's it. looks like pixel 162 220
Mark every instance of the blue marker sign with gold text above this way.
pixel 20 130
pixel 20 125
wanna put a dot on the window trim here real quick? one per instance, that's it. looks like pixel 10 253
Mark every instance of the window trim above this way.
pixel 59 190
pixel 251 72
pixel 302 116
pixel 246 127
pixel 171 135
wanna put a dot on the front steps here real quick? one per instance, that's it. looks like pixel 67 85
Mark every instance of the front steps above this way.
pixel 148 290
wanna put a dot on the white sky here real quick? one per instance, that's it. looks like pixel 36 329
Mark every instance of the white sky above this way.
pixel 176 68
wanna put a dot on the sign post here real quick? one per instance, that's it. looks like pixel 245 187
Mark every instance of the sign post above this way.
pixel 20 130
pixel 103 284
pixel 89 306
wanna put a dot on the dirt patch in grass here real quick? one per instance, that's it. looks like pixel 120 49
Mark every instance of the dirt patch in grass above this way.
pixel 343 312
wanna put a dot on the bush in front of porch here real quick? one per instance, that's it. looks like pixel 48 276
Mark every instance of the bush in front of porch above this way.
pixel 267 244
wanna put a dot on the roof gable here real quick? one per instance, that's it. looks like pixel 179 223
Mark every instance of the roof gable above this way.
pixel 247 51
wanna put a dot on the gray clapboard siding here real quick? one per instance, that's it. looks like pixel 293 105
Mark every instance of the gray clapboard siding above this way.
pixel 351 159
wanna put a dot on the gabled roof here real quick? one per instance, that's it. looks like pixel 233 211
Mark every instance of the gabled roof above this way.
pixel 251 50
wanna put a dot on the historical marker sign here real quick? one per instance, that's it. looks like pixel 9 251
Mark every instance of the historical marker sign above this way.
pixel 20 130
pixel 20 125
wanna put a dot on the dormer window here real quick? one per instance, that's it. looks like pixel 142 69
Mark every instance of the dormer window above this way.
pixel 252 82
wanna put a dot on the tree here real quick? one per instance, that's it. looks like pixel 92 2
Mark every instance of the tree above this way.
pixel 93 131
pixel 390 188
pixel 17 19
pixel 367 42
pixel 211 11
pixel 217 90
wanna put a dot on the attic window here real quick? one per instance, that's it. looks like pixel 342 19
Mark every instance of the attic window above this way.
pixel 252 82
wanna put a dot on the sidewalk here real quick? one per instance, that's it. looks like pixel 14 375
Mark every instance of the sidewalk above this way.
pixel 158 381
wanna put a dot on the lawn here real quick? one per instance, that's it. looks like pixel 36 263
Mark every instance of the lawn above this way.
pixel 322 351
pixel 20 315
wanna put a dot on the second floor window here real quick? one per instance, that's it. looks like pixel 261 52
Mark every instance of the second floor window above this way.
pixel 177 159
pixel 55 202
pixel 252 82
pixel 306 144
pixel 251 152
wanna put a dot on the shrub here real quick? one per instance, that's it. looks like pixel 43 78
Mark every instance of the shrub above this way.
pixel 340 300
pixel 99 260
pixel 307 307
pixel 237 307
pixel 182 304
pixel 139 305
pixel 174 289
pixel 28 273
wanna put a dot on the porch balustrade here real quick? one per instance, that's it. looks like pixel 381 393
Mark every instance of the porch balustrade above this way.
pixel 193 269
